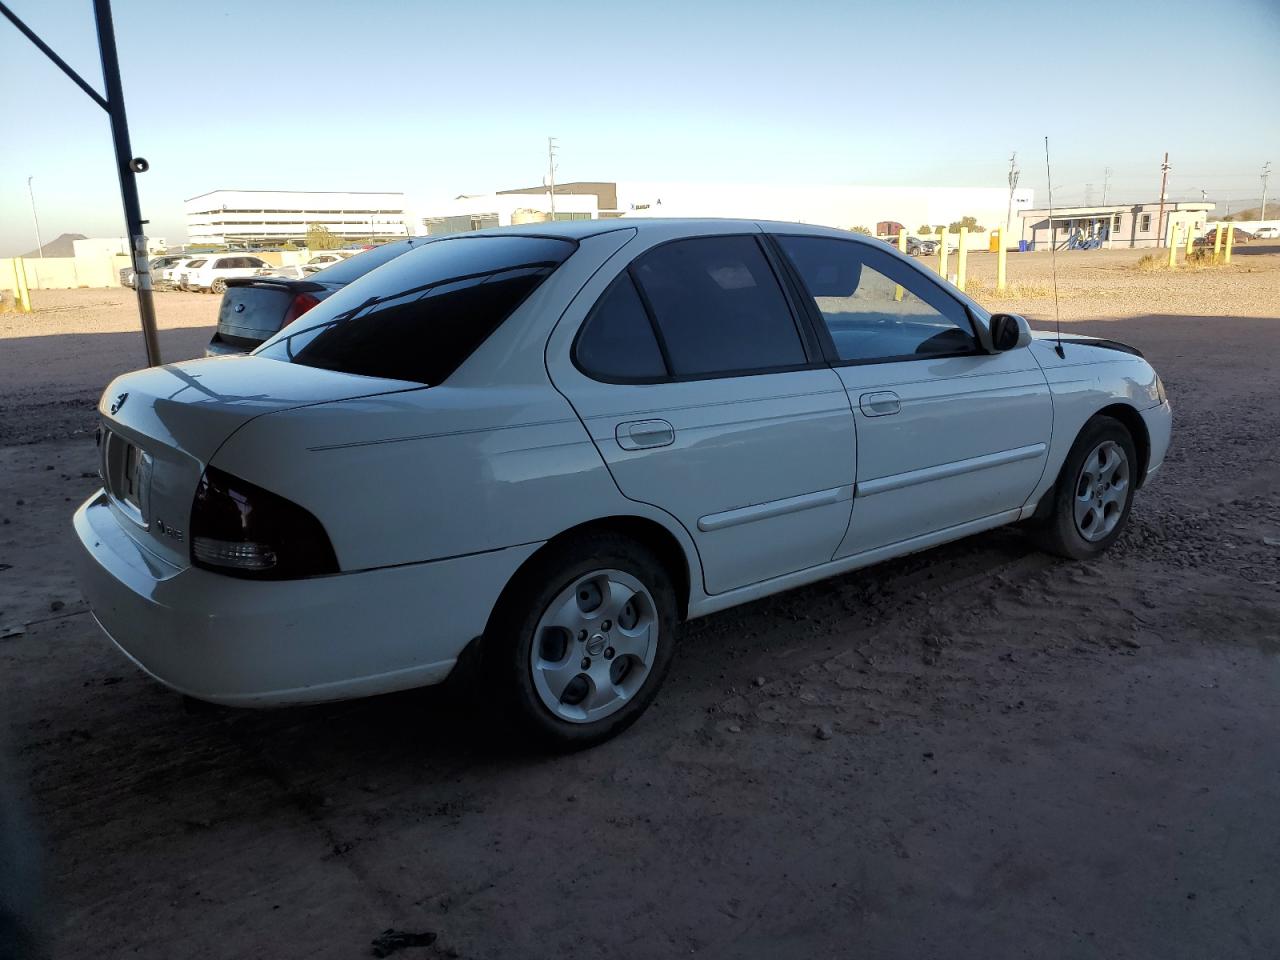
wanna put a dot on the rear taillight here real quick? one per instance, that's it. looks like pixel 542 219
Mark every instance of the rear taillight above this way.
pixel 301 304
pixel 240 529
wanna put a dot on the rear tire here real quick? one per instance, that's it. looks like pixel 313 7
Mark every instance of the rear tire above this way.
pixel 581 641
pixel 1091 502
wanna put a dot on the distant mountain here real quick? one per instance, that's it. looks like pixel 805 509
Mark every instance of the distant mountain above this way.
pixel 62 247
pixel 1255 213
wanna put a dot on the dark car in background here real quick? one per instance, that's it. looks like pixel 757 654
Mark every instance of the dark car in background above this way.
pixel 254 309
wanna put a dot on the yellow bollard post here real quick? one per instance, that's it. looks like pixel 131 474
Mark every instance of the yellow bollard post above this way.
pixel 942 254
pixel 1231 235
pixel 902 248
pixel 1002 256
pixel 962 257
pixel 21 289
pixel 1191 235
pixel 1217 242
pixel 1173 245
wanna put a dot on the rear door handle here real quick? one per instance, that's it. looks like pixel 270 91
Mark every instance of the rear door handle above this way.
pixel 880 404
pixel 643 434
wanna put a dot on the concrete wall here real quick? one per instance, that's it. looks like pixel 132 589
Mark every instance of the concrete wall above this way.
pixel 66 273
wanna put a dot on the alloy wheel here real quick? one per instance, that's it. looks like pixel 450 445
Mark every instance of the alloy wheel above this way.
pixel 594 646
pixel 1101 490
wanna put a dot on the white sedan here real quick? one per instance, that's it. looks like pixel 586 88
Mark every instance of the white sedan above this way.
pixel 537 451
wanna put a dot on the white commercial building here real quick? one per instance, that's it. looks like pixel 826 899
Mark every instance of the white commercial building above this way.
pixel 269 217
pixel 878 209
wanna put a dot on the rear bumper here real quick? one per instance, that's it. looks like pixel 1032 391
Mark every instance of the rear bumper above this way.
pixel 1159 421
pixel 247 643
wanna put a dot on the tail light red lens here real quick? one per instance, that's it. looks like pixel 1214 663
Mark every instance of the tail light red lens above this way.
pixel 300 305
pixel 242 530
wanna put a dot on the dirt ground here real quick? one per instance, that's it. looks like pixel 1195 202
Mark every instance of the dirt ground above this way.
pixel 1027 757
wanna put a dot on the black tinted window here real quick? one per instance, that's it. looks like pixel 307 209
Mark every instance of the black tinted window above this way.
pixel 617 341
pixel 349 269
pixel 877 307
pixel 419 316
pixel 718 306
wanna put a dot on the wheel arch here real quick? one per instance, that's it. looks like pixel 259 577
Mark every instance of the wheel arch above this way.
pixel 1132 421
pixel 644 531
pixel 1128 417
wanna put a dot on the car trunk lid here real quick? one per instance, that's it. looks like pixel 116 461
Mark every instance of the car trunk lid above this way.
pixel 254 308
pixel 160 427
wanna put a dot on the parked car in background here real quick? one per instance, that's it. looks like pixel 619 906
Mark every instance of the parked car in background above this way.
pixel 211 273
pixel 1207 240
pixel 158 265
pixel 536 451
pixel 330 257
pixel 913 244
pixel 168 274
pixel 294 271
pixel 926 247
pixel 1267 233
pixel 256 308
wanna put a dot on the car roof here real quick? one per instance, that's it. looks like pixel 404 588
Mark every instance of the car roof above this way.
pixel 581 229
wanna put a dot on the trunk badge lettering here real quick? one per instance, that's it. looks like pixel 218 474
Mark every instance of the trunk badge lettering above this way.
pixel 118 402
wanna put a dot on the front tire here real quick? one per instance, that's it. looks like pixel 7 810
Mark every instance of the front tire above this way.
pixel 1094 494
pixel 582 640
pixel 218 286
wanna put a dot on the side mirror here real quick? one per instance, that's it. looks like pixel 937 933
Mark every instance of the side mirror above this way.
pixel 1009 331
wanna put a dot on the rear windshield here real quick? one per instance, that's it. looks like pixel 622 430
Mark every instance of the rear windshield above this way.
pixel 344 271
pixel 419 316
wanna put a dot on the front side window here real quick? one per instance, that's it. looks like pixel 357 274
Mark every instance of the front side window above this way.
pixel 717 307
pixel 195 263
pixel 875 307
pixel 420 315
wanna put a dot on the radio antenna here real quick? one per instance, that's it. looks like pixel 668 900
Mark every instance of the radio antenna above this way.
pixel 1053 255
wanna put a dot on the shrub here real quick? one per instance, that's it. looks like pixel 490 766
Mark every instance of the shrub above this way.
pixel 970 222
pixel 860 229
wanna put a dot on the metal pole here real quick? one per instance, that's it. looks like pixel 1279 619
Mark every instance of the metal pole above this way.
pixel 1164 179
pixel 551 172
pixel 36 220
pixel 127 168
pixel 1266 175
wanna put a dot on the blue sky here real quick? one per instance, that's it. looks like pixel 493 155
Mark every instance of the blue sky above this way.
pixel 436 98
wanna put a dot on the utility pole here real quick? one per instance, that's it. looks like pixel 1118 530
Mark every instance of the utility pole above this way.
pixel 1266 175
pixel 1164 179
pixel 1106 182
pixel 127 165
pixel 551 172
pixel 36 220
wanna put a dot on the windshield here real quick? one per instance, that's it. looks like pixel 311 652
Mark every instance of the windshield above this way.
pixel 419 316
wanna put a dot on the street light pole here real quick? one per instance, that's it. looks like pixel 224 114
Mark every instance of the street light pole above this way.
pixel 35 219
pixel 127 165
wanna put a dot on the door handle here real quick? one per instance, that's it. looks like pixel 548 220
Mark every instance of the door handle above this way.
pixel 880 404
pixel 643 434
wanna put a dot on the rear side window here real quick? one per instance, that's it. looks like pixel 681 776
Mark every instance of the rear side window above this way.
pixel 419 316
pixel 718 307
pixel 617 341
